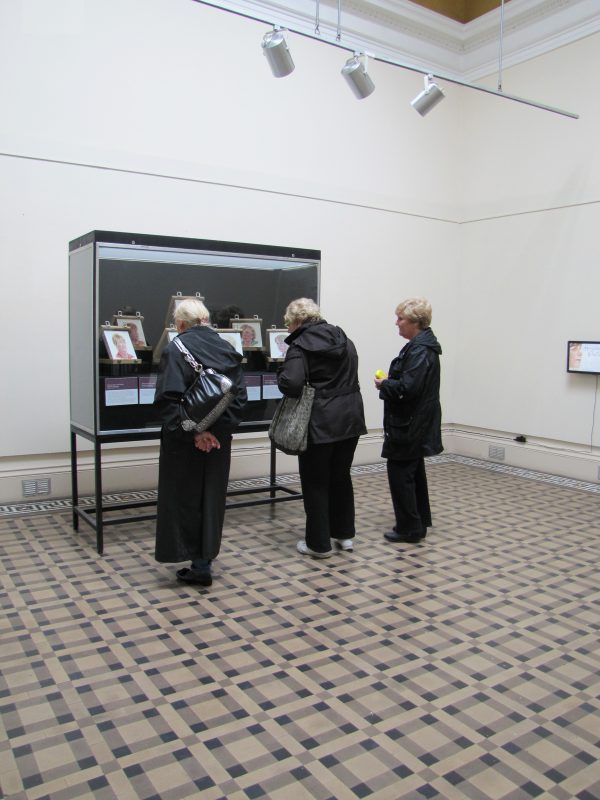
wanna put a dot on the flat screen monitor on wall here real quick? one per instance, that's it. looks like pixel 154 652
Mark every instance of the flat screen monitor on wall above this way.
pixel 583 357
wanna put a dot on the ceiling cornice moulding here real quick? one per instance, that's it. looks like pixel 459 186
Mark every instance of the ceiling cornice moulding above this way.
pixel 531 28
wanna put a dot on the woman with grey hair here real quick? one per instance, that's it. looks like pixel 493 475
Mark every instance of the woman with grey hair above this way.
pixel 193 468
pixel 411 419
pixel 323 355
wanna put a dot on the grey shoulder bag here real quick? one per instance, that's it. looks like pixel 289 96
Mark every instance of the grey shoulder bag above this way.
pixel 289 428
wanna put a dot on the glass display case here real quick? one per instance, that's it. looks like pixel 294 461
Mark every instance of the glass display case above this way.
pixel 123 290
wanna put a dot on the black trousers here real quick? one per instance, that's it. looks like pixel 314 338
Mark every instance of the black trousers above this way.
pixel 410 496
pixel 327 492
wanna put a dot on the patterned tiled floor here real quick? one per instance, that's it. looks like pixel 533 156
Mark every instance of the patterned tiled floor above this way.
pixel 464 667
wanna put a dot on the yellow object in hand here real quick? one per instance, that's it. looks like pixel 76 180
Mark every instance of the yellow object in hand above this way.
pixel 380 374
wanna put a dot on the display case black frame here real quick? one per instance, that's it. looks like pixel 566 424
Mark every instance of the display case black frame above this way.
pixel 115 271
pixel 100 514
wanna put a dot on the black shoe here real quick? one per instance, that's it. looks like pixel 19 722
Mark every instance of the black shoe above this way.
pixel 411 538
pixel 200 578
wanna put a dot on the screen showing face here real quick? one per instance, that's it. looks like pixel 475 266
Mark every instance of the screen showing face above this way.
pixel 583 357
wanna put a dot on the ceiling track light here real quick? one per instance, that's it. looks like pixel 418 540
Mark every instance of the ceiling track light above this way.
pixel 428 98
pixel 394 63
pixel 277 52
pixel 357 77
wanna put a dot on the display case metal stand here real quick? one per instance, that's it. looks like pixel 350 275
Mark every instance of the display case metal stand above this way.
pixel 96 515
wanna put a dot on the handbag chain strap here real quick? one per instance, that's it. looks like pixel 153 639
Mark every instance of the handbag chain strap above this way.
pixel 188 356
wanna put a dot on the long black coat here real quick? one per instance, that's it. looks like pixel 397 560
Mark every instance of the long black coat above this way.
pixel 412 414
pixel 337 412
pixel 192 485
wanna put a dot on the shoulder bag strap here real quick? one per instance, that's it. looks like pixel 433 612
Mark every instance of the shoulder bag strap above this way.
pixel 306 367
pixel 188 356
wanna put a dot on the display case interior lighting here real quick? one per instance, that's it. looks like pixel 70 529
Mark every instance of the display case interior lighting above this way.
pixel 121 252
pixel 277 52
pixel 428 98
pixel 357 77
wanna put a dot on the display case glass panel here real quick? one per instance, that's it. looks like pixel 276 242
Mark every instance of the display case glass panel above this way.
pixel 82 337
pixel 120 274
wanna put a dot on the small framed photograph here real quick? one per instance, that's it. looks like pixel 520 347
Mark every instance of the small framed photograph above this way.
pixel 233 337
pixel 134 325
pixel 277 346
pixel 175 300
pixel 166 336
pixel 250 330
pixel 118 343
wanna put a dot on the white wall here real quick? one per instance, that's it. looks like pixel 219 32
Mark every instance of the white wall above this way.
pixel 161 116
pixel 529 279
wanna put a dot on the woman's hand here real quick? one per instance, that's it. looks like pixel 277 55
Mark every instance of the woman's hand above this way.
pixel 380 376
pixel 206 442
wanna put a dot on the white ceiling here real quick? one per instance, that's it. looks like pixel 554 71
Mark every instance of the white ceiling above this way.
pixel 400 30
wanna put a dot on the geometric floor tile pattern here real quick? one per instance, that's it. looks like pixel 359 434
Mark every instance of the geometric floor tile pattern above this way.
pixel 467 666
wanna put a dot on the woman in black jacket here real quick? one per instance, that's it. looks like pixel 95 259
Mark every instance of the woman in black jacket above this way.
pixel 193 468
pixel 412 418
pixel 322 354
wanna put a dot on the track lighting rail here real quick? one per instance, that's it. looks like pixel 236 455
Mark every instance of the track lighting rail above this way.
pixel 402 65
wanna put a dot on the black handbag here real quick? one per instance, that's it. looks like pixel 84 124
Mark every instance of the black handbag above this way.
pixel 289 427
pixel 206 398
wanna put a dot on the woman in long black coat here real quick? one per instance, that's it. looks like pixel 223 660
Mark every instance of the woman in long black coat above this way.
pixel 323 354
pixel 412 418
pixel 193 468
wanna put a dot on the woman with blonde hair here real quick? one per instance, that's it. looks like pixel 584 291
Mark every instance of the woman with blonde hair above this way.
pixel 411 419
pixel 193 468
pixel 322 354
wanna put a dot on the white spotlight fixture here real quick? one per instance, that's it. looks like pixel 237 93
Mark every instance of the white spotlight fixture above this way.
pixel 428 98
pixel 355 72
pixel 277 52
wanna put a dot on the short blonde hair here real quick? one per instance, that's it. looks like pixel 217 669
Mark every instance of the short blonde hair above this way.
pixel 192 311
pixel 416 309
pixel 300 311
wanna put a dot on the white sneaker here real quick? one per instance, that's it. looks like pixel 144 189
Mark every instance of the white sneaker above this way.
pixel 344 544
pixel 303 548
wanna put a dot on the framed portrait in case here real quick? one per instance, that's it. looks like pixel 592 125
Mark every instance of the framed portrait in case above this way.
pixel 119 346
pixel 134 325
pixel 277 346
pixel 234 337
pixel 175 300
pixel 166 336
pixel 251 332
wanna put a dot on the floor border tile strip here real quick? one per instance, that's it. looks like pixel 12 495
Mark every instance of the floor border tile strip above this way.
pixel 521 472
pixel 45 507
